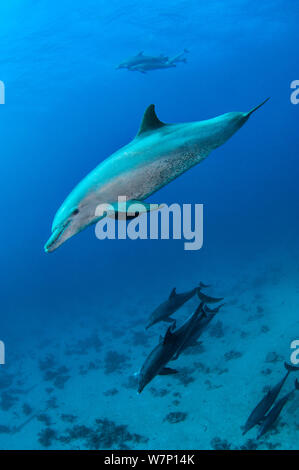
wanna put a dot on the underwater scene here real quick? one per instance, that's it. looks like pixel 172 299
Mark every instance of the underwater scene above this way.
pixel 149 232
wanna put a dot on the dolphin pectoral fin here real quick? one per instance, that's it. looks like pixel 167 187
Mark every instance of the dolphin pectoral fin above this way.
pixel 167 371
pixel 131 209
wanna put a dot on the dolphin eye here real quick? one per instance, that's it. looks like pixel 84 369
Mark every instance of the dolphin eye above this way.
pixel 75 212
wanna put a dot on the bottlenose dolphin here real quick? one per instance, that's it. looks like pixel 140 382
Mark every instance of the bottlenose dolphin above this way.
pixel 156 156
pixel 164 351
pixel 170 306
pixel 274 413
pixel 258 414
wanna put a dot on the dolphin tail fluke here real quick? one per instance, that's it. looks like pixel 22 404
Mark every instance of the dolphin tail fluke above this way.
pixel 214 310
pixel 206 299
pixel 257 107
pixel 203 286
pixel 291 367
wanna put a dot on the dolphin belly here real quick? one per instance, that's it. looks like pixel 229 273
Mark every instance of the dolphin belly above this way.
pixel 141 181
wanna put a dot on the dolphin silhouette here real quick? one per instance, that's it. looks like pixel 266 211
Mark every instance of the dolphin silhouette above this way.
pixel 271 418
pixel 157 155
pixel 169 306
pixel 259 412
pixel 143 63
pixel 167 347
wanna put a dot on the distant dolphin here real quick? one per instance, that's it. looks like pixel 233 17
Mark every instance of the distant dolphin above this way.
pixel 140 58
pixel 170 306
pixel 274 413
pixel 158 154
pixel 259 412
pixel 143 63
pixel 162 62
pixel 164 351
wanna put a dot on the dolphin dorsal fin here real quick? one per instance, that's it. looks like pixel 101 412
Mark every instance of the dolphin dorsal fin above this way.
pixel 150 122
pixel 173 293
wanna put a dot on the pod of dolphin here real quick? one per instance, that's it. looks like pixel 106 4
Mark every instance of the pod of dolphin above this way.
pixel 157 155
pixel 145 63
pixel 261 414
pixel 177 340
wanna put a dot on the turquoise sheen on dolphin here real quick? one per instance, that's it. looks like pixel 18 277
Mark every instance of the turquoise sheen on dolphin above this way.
pixel 157 155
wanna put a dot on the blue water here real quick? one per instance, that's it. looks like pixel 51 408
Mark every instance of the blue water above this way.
pixel 68 108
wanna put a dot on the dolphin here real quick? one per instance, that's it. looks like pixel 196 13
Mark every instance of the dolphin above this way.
pixel 157 155
pixel 140 58
pixel 274 413
pixel 161 62
pixel 258 414
pixel 200 325
pixel 142 63
pixel 164 351
pixel 170 306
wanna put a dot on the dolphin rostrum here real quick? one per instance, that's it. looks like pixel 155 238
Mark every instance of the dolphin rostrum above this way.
pixel 156 156
pixel 169 306
pixel 274 413
pixel 168 346
pixel 257 416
